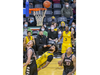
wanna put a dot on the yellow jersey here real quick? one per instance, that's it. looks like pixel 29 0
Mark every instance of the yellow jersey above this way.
pixel 55 29
pixel 42 60
pixel 27 40
pixel 66 37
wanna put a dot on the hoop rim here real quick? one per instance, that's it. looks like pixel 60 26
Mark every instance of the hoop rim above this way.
pixel 37 9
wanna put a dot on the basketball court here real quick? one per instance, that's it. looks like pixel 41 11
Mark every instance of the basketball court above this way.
pixel 52 69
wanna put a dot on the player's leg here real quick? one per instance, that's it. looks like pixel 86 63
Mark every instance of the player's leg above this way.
pixel 63 48
pixel 69 45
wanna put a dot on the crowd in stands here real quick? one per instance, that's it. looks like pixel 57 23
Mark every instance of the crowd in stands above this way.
pixel 53 25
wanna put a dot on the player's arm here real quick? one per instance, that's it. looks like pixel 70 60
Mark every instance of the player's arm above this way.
pixel 72 37
pixel 60 37
pixel 35 56
pixel 24 42
pixel 62 58
pixel 29 57
pixel 33 40
pixel 74 63
pixel 50 57
pixel 47 63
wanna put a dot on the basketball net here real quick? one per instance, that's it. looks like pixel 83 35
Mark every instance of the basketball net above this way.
pixel 39 15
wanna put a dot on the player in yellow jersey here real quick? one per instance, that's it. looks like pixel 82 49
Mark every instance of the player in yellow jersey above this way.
pixel 46 58
pixel 67 35
pixel 28 38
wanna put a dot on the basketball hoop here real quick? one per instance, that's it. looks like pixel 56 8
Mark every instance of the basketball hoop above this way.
pixel 39 14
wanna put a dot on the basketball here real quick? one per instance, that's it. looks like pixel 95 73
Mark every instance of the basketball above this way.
pixel 46 4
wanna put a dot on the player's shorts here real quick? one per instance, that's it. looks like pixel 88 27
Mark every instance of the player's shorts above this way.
pixel 65 47
pixel 67 71
pixel 31 69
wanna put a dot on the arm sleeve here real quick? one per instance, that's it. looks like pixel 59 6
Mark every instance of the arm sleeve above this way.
pixel 50 57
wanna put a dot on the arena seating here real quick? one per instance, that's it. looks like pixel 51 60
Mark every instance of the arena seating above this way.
pixel 53 10
pixel 38 6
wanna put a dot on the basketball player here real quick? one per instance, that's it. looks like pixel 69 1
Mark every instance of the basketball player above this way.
pixel 69 62
pixel 28 38
pixel 46 58
pixel 31 68
pixel 66 39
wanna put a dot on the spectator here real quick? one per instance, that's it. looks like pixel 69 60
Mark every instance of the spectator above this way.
pixel 62 27
pixel 67 12
pixel 56 1
pixel 25 29
pixel 43 30
pixel 31 23
pixel 53 20
pixel 73 25
pixel 55 26
pixel 74 13
pixel 52 35
pixel 31 2
pixel 46 29
pixel 24 20
pixel 41 43
pixel 72 29
pixel 73 5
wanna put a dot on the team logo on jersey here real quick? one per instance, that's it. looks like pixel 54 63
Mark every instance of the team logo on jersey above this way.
pixel 67 60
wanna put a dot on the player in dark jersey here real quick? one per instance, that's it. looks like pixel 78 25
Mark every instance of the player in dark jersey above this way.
pixel 31 68
pixel 69 62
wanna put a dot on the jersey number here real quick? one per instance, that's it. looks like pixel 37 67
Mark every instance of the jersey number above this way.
pixel 68 63
pixel 65 39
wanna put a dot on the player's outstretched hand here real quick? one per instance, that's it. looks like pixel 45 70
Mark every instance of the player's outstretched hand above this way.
pixel 59 62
